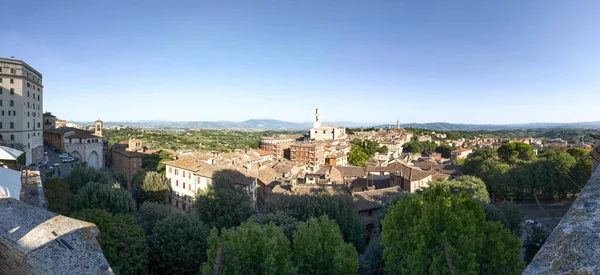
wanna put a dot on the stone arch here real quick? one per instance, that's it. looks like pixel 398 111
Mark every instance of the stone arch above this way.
pixel 94 160
pixel 77 155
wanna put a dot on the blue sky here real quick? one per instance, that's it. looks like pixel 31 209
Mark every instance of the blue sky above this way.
pixel 509 61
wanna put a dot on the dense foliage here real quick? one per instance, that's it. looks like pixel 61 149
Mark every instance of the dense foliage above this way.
pixel 103 196
pixel 178 244
pixel 82 174
pixel 371 260
pixel 58 196
pixel 250 249
pixel 507 213
pixel 123 242
pixel 437 229
pixel 320 249
pixel 150 213
pixel 156 162
pixel 286 222
pixel 223 204
pixel 514 152
pixel 339 208
pixel 154 187
pixel 535 240
pixel 362 150
pixel 472 185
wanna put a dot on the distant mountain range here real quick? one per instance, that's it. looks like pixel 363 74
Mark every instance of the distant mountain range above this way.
pixel 272 124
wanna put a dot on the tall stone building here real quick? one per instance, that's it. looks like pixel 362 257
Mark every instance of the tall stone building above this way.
pixel 329 132
pixel 21 108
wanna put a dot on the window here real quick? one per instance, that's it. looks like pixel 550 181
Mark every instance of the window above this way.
pixel 38 97
pixel 176 182
pixel 183 185
pixel 190 187
pixel 0 79
pixel 0 87
pixel 12 91
pixel 28 85
pixel 27 104
pixel 12 70
pixel 12 125
pixel 38 91
pixel 27 125
pixel 12 137
pixel 184 174
pixel 39 125
pixel 12 103
pixel 0 125
pixel 189 175
pixel 170 170
pixel 27 96
pixel 12 81
pixel 176 172
pixel 1 103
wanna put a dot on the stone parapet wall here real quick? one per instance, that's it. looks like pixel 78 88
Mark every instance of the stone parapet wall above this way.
pixel 574 245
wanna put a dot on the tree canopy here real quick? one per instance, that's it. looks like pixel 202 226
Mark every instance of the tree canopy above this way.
pixel 472 185
pixel 514 152
pixel 178 244
pixel 337 207
pixel 250 249
pixel 436 229
pixel 123 242
pixel 96 195
pixel 151 213
pixel 286 222
pixel 223 204
pixel 320 249
pixel 154 188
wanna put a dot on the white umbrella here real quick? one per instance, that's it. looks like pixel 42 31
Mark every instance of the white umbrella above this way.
pixel 7 153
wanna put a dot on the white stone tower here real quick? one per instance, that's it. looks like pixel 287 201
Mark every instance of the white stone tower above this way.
pixel 317 121
pixel 98 128
pixel 398 124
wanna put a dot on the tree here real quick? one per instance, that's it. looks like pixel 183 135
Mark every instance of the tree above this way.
pixel 413 146
pixel 103 196
pixel 470 184
pixel 151 213
pixel 250 249
pixel 154 188
pixel 382 150
pixel 507 213
pixel 319 248
pixel 116 176
pixel 489 170
pixel 534 242
pixel 81 175
pixel 337 207
pixel 286 222
pixel 514 152
pixel 371 260
pixel 223 204
pixel 357 156
pixel 178 244
pixel 429 232
pixel 445 150
pixel 582 171
pixel 58 196
pixel 123 242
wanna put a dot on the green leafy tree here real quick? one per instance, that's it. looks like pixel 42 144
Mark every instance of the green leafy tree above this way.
pixel 151 213
pixel 103 196
pixel 383 149
pixel 123 242
pixel 58 196
pixel 429 232
pixel 250 249
pixel 507 213
pixel 116 176
pixel 319 248
pixel 514 152
pixel 154 188
pixel 534 242
pixel 445 150
pixel 582 171
pixel 337 207
pixel 178 244
pixel 484 153
pixel 286 222
pixel 223 204
pixel 371 260
pixel 472 185
pixel 357 156
pixel 81 175
pixel 413 146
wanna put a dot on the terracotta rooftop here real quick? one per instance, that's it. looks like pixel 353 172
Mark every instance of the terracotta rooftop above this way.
pixel 374 199
pixel 76 133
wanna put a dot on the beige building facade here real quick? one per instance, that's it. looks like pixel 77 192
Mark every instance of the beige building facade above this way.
pixel 21 108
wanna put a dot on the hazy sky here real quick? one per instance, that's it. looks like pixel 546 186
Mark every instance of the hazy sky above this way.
pixel 496 61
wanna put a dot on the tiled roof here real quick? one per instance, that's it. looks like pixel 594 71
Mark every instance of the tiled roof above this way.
pixel 461 150
pixel 129 154
pixel 351 171
pixel 373 199
pixel 267 175
pixel 262 152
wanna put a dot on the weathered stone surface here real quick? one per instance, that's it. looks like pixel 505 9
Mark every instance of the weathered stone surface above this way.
pixel 36 241
pixel 574 245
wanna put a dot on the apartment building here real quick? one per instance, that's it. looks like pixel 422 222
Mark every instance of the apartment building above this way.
pixel 279 146
pixel 21 108
pixel 189 175
pixel 310 154
pixel 127 162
